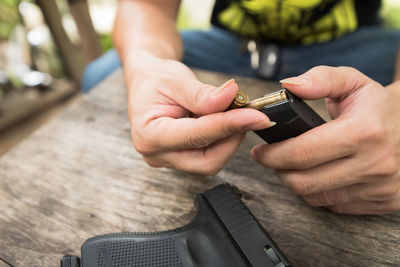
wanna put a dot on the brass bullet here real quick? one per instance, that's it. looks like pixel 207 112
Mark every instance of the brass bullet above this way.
pixel 242 100
pixel 269 99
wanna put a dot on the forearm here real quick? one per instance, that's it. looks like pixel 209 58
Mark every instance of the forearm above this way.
pixel 394 87
pixel 147 26
pixel 397 66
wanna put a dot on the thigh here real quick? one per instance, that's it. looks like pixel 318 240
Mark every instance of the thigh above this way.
pixel 216 50
pixel 99 69
pixel 372 50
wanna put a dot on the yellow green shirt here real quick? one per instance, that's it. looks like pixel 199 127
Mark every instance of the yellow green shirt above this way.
pixel 294 21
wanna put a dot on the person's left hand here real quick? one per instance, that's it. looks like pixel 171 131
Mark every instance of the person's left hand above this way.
pixel 352 163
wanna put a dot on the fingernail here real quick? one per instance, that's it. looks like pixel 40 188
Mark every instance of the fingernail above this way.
pixel 261 125
pixel 226 85
pixel 299 80
pixel 269 124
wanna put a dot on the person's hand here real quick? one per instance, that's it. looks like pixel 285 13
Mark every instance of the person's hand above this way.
pixel 179 122
pixel 350 164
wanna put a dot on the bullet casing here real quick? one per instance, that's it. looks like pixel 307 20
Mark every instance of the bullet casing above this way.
pixel 242 100
pixel 269 99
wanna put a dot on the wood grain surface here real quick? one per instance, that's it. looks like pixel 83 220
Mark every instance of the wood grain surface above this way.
pixel 4 264
pixel 79 176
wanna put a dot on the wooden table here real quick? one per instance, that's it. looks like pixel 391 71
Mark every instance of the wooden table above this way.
pixel 79 176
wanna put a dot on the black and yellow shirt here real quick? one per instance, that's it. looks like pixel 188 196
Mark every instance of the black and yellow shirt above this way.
pixel 294 21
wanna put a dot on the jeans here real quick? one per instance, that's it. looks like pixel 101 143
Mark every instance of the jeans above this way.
pixel 371 50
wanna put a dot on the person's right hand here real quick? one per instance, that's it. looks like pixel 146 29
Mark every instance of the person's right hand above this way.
pixel 179 122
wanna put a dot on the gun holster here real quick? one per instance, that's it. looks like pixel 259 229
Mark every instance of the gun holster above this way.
pixel 223 233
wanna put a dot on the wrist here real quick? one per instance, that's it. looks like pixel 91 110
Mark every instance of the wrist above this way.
pixel 172 49
pixel 141 65
pixel 138 62
pixel 394 89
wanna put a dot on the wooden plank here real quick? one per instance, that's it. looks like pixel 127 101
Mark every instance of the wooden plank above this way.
pixel 17 132
pixel 19 106
pixel 4 263
pixel 79 176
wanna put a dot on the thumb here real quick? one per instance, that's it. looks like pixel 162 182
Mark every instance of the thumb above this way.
pixel 324 81
pixel 203 99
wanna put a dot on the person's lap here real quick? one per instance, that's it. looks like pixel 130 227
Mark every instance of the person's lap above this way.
pixel 99 69
pixel 372 50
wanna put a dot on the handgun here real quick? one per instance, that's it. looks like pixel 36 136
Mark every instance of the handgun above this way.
pixel 292 115
pixel 224 233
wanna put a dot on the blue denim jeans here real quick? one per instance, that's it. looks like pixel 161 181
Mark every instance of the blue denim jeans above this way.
pixel 371 50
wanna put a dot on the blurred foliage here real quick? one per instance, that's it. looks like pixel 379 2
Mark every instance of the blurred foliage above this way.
pixel 185 21
pixel 392 19
pixel 106 41
pixel 9 17
pixel 391 14
pixel 15 82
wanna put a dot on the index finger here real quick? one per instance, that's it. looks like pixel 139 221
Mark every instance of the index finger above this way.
pixel 325 81
pixel 174 134
pixel 319 145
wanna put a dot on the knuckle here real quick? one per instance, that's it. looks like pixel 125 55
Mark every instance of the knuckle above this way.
pixel 141 145
pixel 143 148
pixel 387 207
pixel 210 170
pixel 388 169
pixel 209 166
pixel 298 185
pixel 153 163
pixel 193 140
pixel 321 68
pixel 390 166
pixel 200 95
pixel 388 191
pixel 313 200
pixel 228 127
pixel 378 133
pixel 386 166
pixel 349 70
pixel 338 209
pixel 301 158
pixel 372 134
